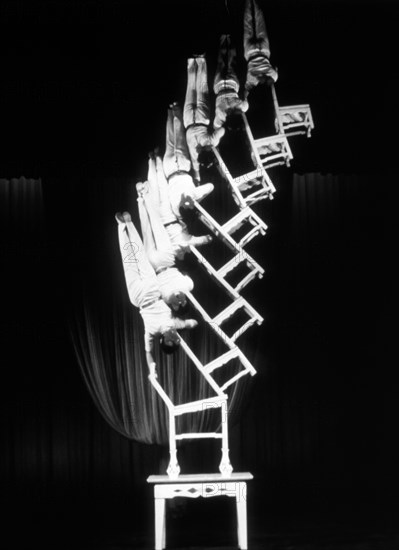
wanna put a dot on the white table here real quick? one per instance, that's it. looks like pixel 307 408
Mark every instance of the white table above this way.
pixel 200 485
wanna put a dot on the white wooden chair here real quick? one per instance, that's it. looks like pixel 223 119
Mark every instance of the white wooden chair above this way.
pixel 223 232
pixel 293 119
pixel 220 400
pixel 268 151
pixel 250 187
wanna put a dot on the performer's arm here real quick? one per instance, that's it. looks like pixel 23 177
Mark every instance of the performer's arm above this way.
pixel 150 362
pixel 149 347
pixel 185 323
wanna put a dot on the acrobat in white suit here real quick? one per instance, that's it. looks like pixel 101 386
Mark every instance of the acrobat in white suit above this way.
pixel 157 189
pixel 226 85
pixel 177 165
pixel 256 48
pixel 196 113
pixel 144 289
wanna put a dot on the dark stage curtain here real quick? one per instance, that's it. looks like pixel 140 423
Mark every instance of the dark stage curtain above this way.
pixel 23 252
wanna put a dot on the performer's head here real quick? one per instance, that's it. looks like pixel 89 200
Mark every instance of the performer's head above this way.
pixel 234 121
pixel 206 157
pixel 169 340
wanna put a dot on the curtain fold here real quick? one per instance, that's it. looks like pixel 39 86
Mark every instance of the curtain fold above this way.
pixel 107 335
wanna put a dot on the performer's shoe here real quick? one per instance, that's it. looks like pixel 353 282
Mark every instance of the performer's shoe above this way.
pixel 123 218
pixel 141 188
pixel 119 218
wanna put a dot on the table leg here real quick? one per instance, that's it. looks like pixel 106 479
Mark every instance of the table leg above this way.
pixel 241 504
pixel 160 523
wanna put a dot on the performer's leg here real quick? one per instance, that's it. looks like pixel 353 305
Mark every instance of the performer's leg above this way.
pixel 256 40
pixel 169 164
pixel 256 48
pixel 203 103
pixel 135 263
pixel 159 236
pixel 226 76
pixel 177 157
pixel 190 103
pixel 146 229
pixel 226 80
pixel 196 106
pixel 152 179
pixel 165 210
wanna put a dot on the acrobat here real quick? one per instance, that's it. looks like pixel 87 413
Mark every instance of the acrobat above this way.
pixel 196 115
pixel 256 48
pixel 145 293
pixel 177 165
pixel 226 84
pixel 157 190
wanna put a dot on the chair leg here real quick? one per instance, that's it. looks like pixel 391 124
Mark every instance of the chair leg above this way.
pixel 173 468
pixel 159 523
pixel 225 466
pixel 241 505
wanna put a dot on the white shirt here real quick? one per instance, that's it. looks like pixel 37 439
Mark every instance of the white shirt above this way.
pixel 172 280
pixel 156 317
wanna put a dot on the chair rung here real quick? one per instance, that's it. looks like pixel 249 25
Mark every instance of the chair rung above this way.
pixel 202 435
pixel 259 195
pixel 241 330
pixel 246 178
pixel 302 107
pixel 200 405
pixel 222 360
pixel 278 138
pixel 296 124
pixel 283 155
pixel 228 311
pixel 255 272
pixel 237 221
pixel 251 234
pixel 234 379
pixel 222 272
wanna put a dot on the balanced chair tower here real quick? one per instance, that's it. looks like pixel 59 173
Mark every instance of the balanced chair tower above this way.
pixel 247 190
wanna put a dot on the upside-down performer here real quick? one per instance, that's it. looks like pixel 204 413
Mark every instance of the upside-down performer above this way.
pixel 256 48
pixel 144 292
pixel 226 84
pixel 177 165
pixel 196 115
pixel 158 191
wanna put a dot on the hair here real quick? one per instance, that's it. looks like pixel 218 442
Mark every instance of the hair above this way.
pixel 167 348
pixel 234 121
pixel 206 158
pixel 182 309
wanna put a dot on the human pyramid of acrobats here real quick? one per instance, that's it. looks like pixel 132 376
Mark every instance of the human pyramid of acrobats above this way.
pixel 155 285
